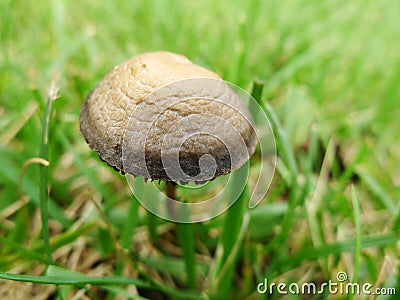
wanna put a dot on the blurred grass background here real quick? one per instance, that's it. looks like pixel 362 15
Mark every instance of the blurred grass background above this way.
pixel 331 72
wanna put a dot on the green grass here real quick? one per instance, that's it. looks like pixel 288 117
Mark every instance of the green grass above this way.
pixel 331 72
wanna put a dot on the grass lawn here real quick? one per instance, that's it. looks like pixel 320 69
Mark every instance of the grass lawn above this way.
pixel 332 89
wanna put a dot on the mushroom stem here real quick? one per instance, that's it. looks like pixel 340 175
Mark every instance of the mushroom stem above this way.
pixel 170 190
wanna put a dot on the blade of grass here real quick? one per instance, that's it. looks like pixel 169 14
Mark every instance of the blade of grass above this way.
pixel 296 193
pixel 228 267
pixel 290 161
pixel 279 133
pixel 55 243
pixel 256 93
pixel 130 222
pixel 71 235
pixel 44 153
pixel 186 240
pixel 222 272
pixel 185 233
pixel 379 192
pixel 357 223
pixel 78 279
pixel 61 272
pixel 314 203
pixel 282 141
pixel 101 281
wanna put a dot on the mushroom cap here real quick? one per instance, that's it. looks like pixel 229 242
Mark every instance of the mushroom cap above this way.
pixel 162 117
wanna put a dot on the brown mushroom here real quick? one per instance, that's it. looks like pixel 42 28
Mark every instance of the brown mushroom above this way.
pixel 158 110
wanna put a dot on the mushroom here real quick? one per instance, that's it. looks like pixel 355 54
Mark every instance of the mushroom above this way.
pixel 162 117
